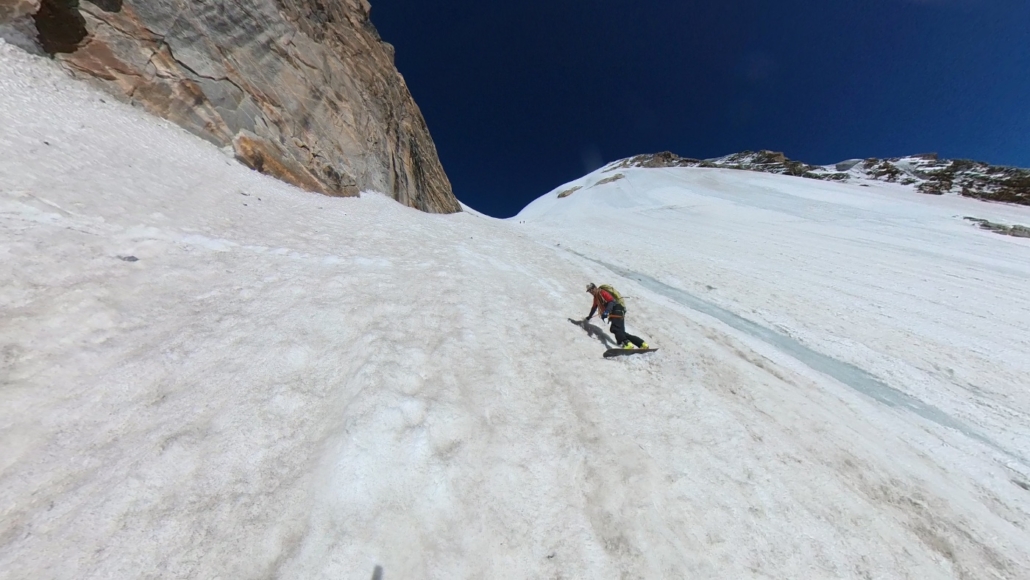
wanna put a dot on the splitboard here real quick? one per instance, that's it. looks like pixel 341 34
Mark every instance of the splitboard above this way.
pixel 612 352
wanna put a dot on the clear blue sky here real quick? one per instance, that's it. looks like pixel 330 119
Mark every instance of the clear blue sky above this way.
pixel 523 96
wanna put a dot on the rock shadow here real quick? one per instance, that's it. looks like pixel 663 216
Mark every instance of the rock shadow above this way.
pixel 60 25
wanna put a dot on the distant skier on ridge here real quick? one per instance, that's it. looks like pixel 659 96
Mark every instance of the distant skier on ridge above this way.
pixel 613 309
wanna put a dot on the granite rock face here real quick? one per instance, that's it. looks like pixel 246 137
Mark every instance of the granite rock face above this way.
pixel 11 9
pixel 17 26
pixel 304 90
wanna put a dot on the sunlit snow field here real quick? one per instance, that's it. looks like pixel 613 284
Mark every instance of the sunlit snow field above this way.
pixel 209 374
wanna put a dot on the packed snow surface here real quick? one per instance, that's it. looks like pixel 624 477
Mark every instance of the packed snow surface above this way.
pixel 209 374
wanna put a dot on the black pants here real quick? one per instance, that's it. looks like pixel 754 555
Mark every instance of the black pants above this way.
pixel 618 321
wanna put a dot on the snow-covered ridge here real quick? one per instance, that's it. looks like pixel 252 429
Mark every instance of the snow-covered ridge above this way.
pixel 925 173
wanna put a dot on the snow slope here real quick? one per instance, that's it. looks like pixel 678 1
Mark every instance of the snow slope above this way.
pixel 287 385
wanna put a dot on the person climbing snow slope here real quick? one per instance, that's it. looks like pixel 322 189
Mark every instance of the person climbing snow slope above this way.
pixel 609 302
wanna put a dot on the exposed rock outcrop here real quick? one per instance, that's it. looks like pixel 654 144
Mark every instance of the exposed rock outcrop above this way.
pixel 569 191
pixel 260 155
pixel 1016 231
pixel 304 90
pixel 611 179
pixel 925 172
pixel 17 26
pixel 11 9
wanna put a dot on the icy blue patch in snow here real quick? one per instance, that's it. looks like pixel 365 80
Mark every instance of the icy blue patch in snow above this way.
pixel 847 373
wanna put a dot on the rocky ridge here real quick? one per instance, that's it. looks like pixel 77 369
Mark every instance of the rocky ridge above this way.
pixel 304 90
pixel 925 173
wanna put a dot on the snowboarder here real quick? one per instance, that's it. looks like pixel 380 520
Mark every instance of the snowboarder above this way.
pixel 613 309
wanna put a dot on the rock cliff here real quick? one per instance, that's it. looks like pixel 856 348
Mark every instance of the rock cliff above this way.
pixel 304 90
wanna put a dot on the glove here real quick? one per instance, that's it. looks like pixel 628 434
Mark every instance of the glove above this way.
pixel 604 317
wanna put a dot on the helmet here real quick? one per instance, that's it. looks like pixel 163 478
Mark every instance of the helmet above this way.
pixel 591 287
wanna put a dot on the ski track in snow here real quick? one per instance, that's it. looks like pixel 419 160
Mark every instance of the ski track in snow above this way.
pixel 288 385
pixel 846 373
